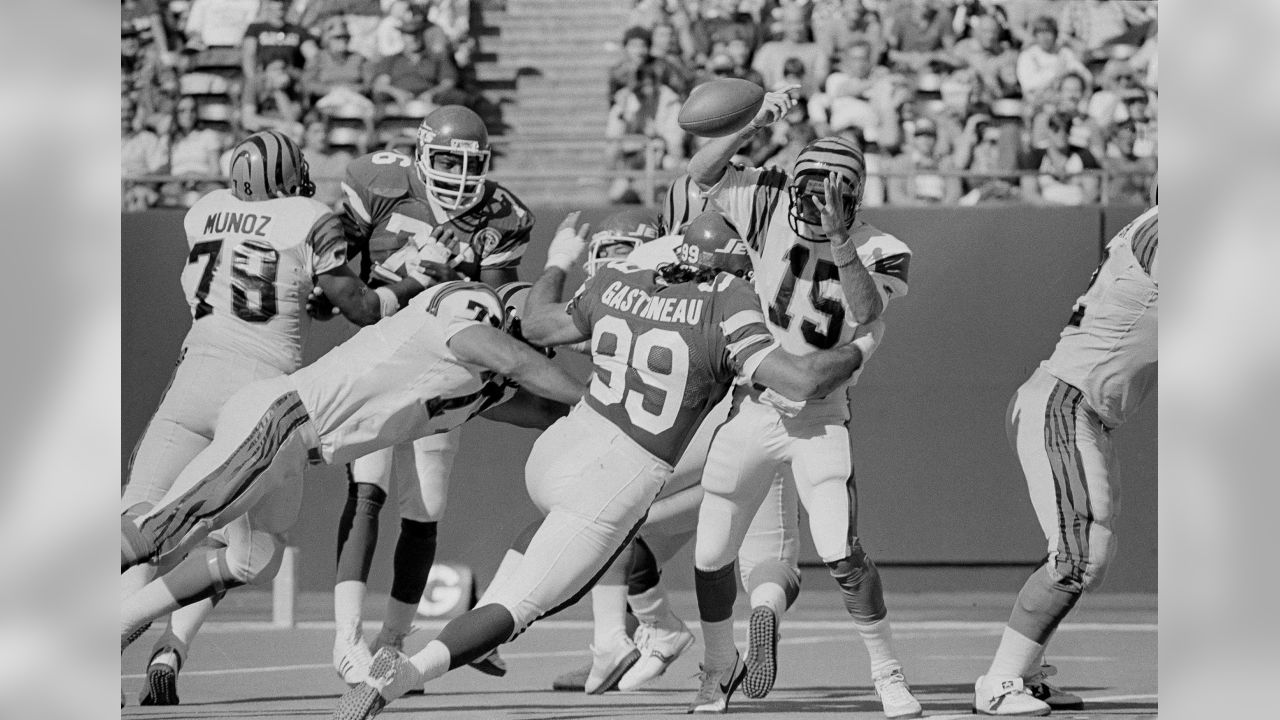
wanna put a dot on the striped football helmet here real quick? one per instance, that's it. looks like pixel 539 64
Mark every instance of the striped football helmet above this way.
pixel 268 165
pixel 628 228
pixel 817 160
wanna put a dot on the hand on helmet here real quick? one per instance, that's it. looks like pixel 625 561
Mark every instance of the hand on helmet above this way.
pixel 831 208
pixel 775 106
pixel 568 244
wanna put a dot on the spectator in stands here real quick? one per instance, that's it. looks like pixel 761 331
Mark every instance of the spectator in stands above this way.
pixel 716 23
pixel 919 34
pixel 739 51
pixel 327 167
pixel 985 147
pixel 635 52
pixel 142 151
pixel 794 43
pixel 270 38
pixel 1060 166
pixel 912 182
pixel 1070 98
pixel 453 17
pixel 859 94
pixel 665 49
pixel 1041 64
pixel 1117 81
pixel 1131 175
pixel 796 136
pixel 361 16
pixel 1087 26
pixel 1143 113
pixel 643 107
pixel 273 102
pixel 193 150
pixel 961 94
pixel 144 18
pixel 335 75
pixel 419 72
pixel 835 25
pixel 987 54
pixel 217 27
pixel 390 41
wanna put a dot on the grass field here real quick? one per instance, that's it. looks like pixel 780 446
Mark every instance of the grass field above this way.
pixel 244 668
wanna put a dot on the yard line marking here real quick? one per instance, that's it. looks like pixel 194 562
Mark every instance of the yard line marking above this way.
pixel 238 671
pixel 1120 698
pixel 1066 658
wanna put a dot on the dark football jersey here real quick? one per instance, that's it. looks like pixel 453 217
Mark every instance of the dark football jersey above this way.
pixel 386 205
pixel 663 355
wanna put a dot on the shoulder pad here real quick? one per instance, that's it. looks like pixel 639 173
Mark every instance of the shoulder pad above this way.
pixel 384 173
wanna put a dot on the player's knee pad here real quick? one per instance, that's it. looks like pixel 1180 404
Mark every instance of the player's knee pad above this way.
pixel 859 582
pixel 644 572
pixel 256 559
pixel 777 572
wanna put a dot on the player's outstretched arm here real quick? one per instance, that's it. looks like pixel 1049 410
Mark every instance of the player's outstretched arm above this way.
pixel 527 410
pixel 708 164
pixel 544 320
pixel 491 348
pixel 856 283
pixel 357 302
pixel 810 376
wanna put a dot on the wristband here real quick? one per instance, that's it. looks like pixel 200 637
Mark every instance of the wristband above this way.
pixel 845 252
pixel 388 303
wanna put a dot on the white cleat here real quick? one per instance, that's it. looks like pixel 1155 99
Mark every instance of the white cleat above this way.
pixel 718 686
pixel 391 676
pixel 1051 695
pixel 608 665
pixel 658 649
pixel 1005 697
pixel 351 659
pixel 895 695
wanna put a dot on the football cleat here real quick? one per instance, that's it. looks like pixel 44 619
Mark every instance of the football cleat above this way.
pixel 895 695
pixel 162 678
pixel 574 680
pixel 1005 697
pixel 718 686
pixel 658 649
pixel 391 676
pixel 762 653
pixel 490 664
pixel 351 659
pixel 608 665
pixel 1051 695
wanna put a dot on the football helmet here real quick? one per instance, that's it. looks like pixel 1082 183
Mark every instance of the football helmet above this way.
pixel 818 159
pixel 268 165
pixel 711 243
pixel 458 139
pixel 513 295
pixel 628 228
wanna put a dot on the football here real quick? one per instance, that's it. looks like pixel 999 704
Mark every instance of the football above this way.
pixel 720 107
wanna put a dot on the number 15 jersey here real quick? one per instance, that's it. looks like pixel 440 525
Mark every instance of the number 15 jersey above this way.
pixel 796 277
pixel 665 354
pixel 250 268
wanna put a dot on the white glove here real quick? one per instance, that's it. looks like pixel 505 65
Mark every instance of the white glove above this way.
pixel 567 246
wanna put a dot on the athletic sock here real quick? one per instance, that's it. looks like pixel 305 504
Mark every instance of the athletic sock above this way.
pixel 199 576
pixel 415 553
pixel 878 638
pixel 398 623
pixel 348 608
pixel 609 615
pixel 720 649
pixel 770 595
pixel 654 608
pixel 432 661
pixel 358 531
pixel 1016 655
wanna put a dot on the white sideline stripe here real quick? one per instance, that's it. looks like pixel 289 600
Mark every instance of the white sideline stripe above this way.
pixel 905 626
pixel 1118 698
pixel 1055 658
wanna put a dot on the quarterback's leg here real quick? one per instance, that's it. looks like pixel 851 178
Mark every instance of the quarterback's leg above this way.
pixel 1067 459
pixel 768 563
pixel 598 484
pixel 821 462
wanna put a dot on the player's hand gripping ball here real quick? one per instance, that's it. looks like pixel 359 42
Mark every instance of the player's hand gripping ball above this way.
pixel 720 107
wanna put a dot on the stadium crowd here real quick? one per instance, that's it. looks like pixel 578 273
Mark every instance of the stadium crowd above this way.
pixel 931 89
pixel 341 77
pixel 927 88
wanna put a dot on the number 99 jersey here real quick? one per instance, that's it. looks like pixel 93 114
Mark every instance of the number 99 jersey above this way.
pixel 250 269
pixel 663 355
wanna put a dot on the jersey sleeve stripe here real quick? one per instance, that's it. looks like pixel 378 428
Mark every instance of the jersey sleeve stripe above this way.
pixel 737 348
pixel 1145 240
pixel 752 361
pixel 503 258
pixel 356 204
pixel 739 320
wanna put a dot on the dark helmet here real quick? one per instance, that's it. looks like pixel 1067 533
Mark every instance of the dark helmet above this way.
pixel 711 243
pixel 460 134
pixel 815 162
pixel 268 165
pixel 630 228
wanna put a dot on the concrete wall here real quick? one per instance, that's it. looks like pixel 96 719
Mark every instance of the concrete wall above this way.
pixel 990 289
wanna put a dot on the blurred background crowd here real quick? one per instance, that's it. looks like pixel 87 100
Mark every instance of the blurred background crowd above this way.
pixel 953 101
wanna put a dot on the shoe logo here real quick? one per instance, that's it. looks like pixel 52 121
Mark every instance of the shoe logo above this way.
pixel 1006 685
pixel 726 687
